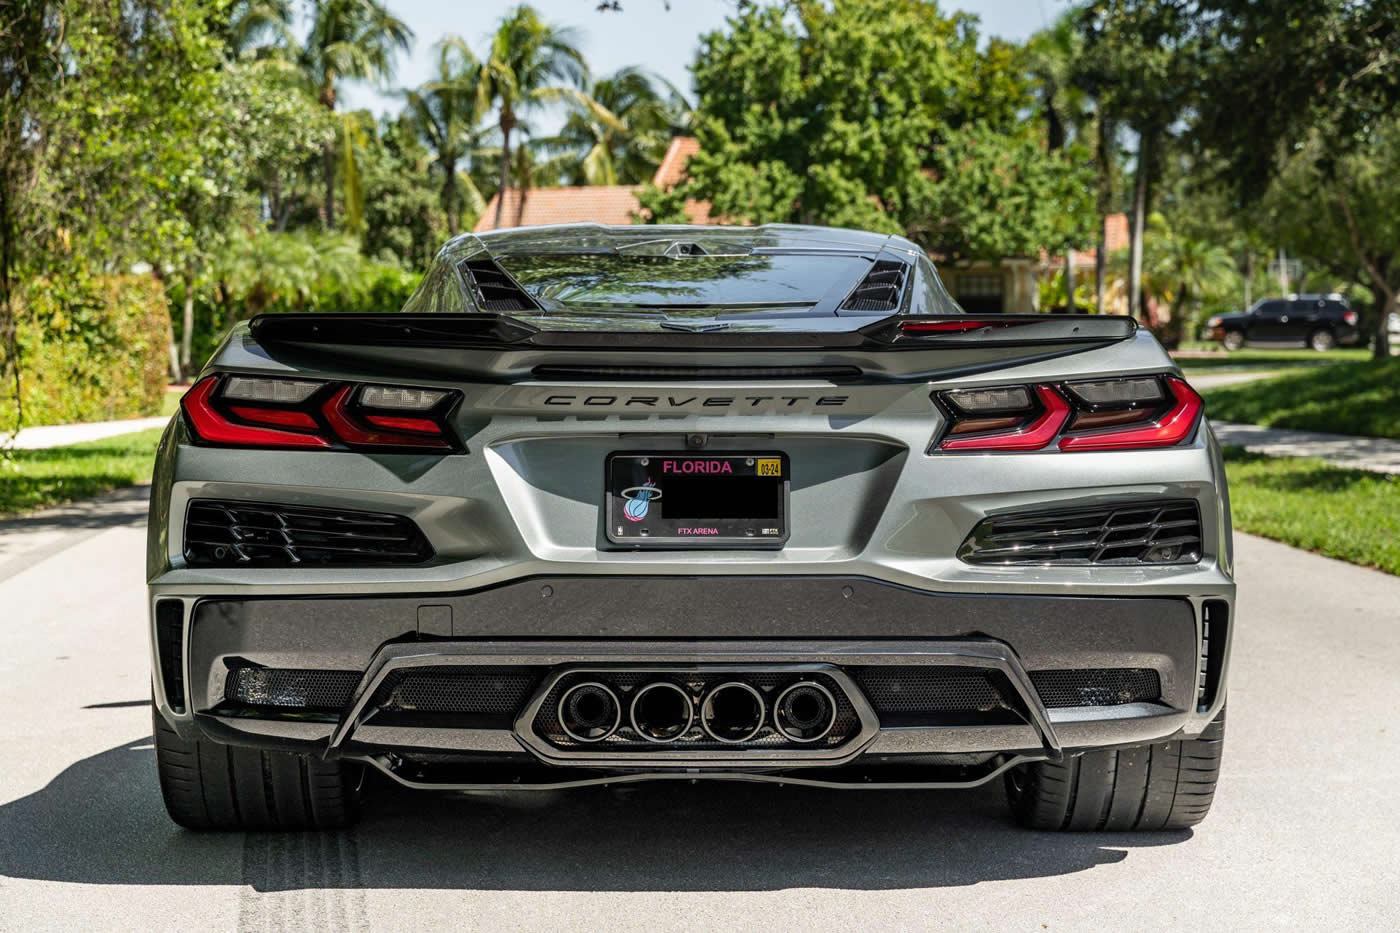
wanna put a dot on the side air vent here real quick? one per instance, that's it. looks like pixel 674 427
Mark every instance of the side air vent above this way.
pixel 1127 534
pixel 220 533
pixel 881 288
pixel 492 289
pixel 1215 629
pixel 170 639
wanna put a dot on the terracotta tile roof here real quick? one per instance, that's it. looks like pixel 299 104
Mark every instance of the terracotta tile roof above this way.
pixel 671 171
pixel 604 204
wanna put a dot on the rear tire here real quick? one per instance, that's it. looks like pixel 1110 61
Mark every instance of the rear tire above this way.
pixel 210 786
pixel 1233 340
pixel 1322 340
pixel 1166 785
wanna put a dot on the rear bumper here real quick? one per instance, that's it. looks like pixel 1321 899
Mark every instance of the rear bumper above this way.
pixel 745 624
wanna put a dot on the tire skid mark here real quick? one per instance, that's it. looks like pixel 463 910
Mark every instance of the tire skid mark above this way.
pixel 302 881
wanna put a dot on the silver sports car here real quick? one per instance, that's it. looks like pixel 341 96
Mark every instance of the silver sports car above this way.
pixel 605 505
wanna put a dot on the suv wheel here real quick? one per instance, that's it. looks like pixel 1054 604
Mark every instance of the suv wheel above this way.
pixel 1322 340
pixel 1166 785
pixel 210 786
pixel 1233 340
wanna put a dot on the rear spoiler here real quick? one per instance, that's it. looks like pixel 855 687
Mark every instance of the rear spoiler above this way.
pixel 501 332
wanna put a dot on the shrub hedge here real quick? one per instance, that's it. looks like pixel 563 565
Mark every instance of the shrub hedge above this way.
pixel 371 286
pixel 91 349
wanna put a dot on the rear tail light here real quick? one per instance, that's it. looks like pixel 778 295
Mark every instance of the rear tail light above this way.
pixel 1103 414
pixel 245 411
pixel 1350 317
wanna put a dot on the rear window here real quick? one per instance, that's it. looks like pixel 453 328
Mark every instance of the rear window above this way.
pixel 620 281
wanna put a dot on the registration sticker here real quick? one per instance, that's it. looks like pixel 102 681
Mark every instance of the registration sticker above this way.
pixel 772 467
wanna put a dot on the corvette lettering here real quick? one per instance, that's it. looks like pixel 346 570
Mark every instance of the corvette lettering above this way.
pixel 709 401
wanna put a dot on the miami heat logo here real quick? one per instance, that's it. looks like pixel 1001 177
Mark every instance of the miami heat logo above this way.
pixel 639 499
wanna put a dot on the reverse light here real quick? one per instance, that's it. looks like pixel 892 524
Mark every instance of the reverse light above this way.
pixel 247 411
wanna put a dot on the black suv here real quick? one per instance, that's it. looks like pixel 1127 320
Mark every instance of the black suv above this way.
pixel 1318 321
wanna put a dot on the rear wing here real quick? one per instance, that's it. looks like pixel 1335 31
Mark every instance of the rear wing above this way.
pixel 502 348
pixel 499 331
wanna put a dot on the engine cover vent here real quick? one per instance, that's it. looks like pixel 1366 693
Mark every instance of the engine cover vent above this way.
pixel 880 290
pixel 493 289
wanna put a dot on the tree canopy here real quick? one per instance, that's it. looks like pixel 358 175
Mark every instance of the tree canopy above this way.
pixel 883 115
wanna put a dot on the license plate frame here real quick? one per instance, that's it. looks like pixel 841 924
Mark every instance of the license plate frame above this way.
pixel 752 507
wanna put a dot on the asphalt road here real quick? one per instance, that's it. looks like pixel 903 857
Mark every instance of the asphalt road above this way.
pixel 1305 833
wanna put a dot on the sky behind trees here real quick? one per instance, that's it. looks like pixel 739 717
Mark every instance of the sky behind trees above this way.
pixel 644 34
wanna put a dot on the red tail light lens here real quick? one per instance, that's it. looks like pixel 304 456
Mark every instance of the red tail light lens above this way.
pixel 1037 427
pixel 1351 317
pixel 249 411
pixel 212 426
pixel 1104 414
pixel 1166 429
pixel 359 431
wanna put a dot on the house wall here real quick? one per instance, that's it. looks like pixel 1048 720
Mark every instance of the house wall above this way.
pixel 1008 286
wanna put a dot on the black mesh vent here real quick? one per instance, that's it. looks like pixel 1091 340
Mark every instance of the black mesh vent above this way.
pixel 221 533
pixel 1060 689
pixel 881 288
pixel 1133 533
pixel 288 689
pixel 464 689
pixel 933 689
pixel 170 633
pixel 492 289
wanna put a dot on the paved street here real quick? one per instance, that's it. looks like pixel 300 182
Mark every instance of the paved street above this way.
pixel 1305 833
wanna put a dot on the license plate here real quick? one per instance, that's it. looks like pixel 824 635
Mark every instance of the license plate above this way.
pixel 697 500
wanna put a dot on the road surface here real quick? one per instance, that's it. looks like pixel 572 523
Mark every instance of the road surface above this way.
pixel 1305 833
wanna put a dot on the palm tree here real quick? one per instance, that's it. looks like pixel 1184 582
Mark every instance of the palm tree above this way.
pixel 256 26
pixel 1184 269
pixel 349 39
pixel 1052 57
pixel 447 115
pixel 620 131
pixel 528 61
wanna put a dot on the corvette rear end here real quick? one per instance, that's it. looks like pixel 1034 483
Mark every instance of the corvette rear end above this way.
pixel 607 505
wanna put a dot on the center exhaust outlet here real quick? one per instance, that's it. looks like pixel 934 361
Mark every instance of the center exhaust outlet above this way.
pixel 589 712
pixel 732 712
pixel 805 712
pixel 662 712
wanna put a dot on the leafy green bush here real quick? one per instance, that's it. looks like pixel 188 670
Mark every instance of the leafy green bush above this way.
pixel 270 273
pixel 91 349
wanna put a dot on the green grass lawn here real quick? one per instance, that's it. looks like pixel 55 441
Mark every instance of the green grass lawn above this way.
pixel 1353 398
pixel 1353 515
pixel 33 479
pixel 1252 358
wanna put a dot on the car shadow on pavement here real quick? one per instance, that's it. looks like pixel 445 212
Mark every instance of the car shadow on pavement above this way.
pixel 101 822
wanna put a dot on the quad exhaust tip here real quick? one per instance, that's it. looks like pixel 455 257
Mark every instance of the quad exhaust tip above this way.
pixel 589 712
pixel 732 712
pixel 805 712
pixel 662 712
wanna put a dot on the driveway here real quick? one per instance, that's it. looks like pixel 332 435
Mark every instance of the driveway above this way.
pixel 1305 833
